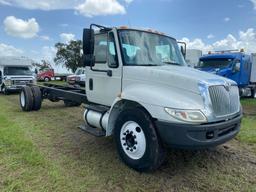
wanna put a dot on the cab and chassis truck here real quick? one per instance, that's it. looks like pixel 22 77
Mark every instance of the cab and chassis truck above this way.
pixel 140 90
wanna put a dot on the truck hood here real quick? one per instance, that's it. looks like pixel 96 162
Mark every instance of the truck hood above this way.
pixel 218 71
pixel 180 77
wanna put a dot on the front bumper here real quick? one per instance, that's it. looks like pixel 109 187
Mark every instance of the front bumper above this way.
pixel 190 136
pixel 15 87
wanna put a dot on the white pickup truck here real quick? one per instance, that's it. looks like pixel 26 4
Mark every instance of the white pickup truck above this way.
pixel 140 90
pixel 15 72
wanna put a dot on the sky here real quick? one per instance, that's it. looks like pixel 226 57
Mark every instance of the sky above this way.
pixel 32 27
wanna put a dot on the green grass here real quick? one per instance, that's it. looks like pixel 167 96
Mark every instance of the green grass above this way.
pixel 44 151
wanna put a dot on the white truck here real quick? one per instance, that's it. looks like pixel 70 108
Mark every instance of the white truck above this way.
pixel 140 90
pixel 15 72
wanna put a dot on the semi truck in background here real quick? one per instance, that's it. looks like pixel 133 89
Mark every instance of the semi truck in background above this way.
pixel 235 65
pixel 15 73
pixel 140 90
pixel 47 74
pixel 192 57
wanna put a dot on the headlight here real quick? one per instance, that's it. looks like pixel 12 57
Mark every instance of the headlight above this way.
pixel 8 82
pixel 194 116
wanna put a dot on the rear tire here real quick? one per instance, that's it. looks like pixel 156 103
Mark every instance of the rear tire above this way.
pixel 37 98
pixel 26 99
pixel 137 142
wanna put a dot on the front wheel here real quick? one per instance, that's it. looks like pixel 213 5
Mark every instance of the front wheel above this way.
pixel 47 79
pixel 137 141
pixel 5 91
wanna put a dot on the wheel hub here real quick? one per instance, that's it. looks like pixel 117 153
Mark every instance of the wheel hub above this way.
pixel 133 140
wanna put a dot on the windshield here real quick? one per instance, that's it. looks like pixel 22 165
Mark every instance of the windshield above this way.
pixel 147 49
pixel 17 71
pixel 79 72
pixel 215 63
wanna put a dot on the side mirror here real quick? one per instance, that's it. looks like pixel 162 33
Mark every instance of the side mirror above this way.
pixel 183 51
pixel 237 67
pixel 88 60
pixel 183 48
pixel 88 46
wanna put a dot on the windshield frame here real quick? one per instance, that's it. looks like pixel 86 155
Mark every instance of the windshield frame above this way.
pixel 149 32
pixel 214 60
pixel 19 68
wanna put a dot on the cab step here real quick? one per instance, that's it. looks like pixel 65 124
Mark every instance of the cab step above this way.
pixel 93 131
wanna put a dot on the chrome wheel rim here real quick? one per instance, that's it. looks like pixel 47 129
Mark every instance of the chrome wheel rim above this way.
pixel 133 140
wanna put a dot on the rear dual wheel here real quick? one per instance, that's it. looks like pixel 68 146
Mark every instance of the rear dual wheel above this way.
pixel 30 98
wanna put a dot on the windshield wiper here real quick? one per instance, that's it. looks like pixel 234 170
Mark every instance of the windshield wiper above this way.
pixel 171 63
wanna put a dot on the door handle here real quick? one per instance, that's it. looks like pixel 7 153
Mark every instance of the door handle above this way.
pixel 90 84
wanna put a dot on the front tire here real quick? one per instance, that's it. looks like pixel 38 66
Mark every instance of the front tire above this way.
pixel 5 91
pixel 47 79
pixel 253 91
pixel 137 142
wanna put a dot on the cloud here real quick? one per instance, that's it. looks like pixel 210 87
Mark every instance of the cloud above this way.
pixel 67 37
pixel 210 36
pixel 226 19
pixel 245 39
pixel 9 50
pixel 254 3
pixel 21 28
pixel 48 53
pixel 92 8
pixel 45 38
pixel 88 8
pixel 128 1
pixel 41 4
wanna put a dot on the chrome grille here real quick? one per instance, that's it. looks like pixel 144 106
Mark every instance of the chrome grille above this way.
pixel 225 100
pixel 21 82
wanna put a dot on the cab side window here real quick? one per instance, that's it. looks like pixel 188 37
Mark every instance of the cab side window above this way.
pixel 100 48
pixel 112 55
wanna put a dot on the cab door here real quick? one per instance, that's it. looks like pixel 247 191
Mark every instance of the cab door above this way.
pixel 103 81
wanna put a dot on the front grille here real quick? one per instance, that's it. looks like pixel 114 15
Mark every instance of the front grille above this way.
pixel 21 82
pixel 225 100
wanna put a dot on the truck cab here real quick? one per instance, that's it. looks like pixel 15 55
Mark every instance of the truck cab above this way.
pixel 15 72
pixel 45 74
pixel 234 65
pixel 142 77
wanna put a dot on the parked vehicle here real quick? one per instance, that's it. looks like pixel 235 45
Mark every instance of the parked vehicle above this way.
pixel 47 74
pixel 140 90
pixel 78 78
pixel 235 65
pixel 15 72
pixel 193 56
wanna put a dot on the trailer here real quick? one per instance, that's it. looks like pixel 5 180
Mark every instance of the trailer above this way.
pixel 140 91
